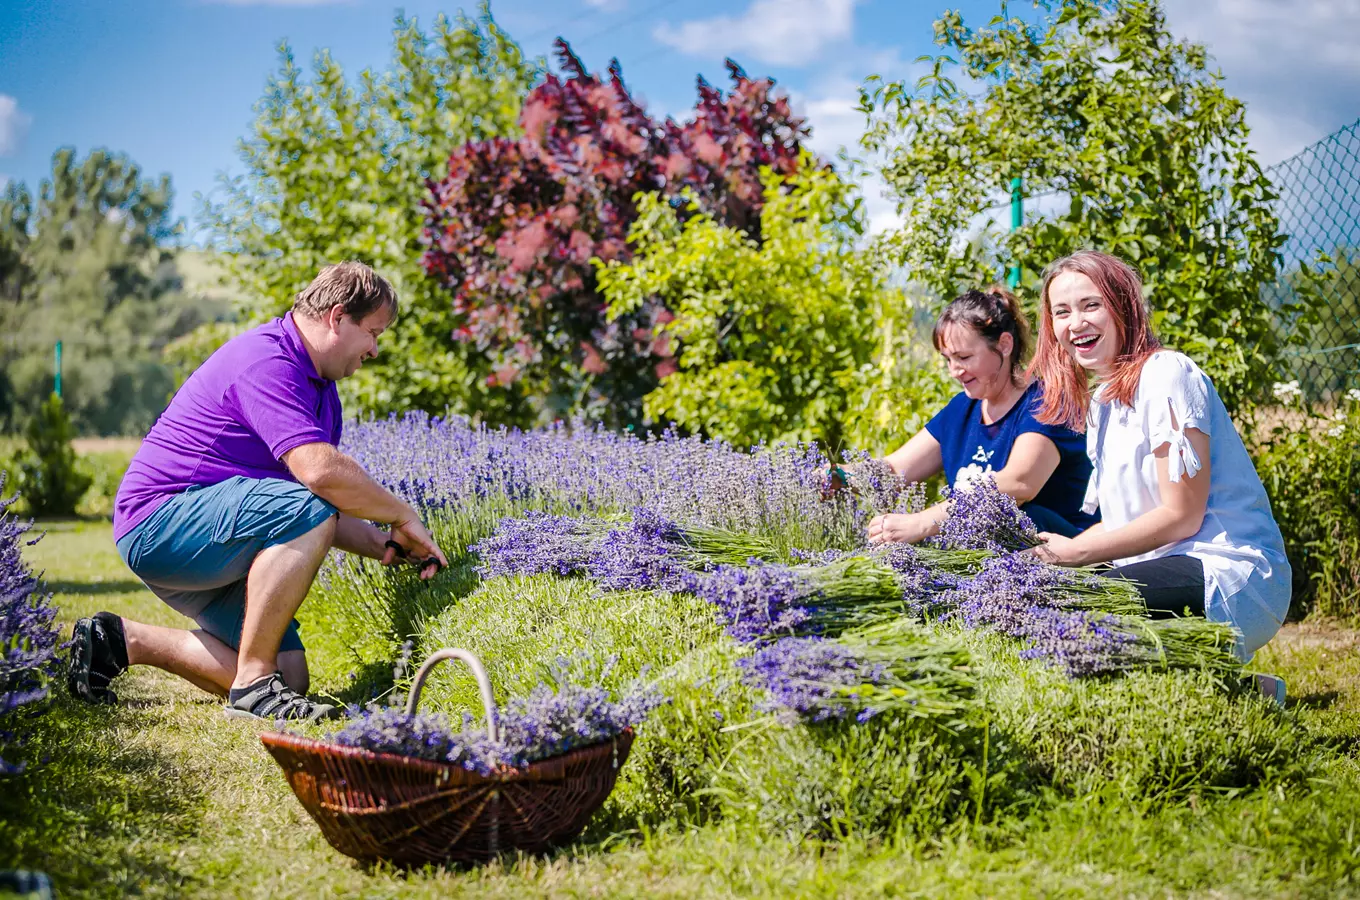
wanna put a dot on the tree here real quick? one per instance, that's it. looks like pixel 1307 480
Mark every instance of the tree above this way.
pixel 49 479
pixel 92 263
pixel 335 171
pixel 771 334
pixel 515 225
pixel 1134 140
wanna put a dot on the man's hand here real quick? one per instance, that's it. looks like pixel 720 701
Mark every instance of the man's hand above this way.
pixel 412 536
pixel 899 528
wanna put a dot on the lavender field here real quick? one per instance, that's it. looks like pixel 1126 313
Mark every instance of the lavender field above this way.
pixel 814 716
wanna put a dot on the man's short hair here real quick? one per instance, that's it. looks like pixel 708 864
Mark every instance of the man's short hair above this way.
pixel 352 286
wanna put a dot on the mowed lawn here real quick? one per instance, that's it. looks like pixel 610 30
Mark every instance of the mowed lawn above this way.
pixel 162 796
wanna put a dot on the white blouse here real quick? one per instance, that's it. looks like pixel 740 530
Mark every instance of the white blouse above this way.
pixel 1246 575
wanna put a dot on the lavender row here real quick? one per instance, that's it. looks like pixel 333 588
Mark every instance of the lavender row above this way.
pixel 451 465
pixel 28 639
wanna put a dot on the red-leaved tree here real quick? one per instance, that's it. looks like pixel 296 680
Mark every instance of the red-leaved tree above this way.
pixel 513 227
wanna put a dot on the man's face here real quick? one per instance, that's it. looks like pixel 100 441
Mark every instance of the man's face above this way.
pixel 355 341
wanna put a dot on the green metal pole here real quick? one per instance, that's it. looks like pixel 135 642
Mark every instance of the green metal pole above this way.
pixel 1017 219
pixel 58 381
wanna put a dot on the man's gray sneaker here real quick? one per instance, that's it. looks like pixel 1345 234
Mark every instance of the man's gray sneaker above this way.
pixel 270 699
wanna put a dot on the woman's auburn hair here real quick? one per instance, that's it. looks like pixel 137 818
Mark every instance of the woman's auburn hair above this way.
pixel 1067 394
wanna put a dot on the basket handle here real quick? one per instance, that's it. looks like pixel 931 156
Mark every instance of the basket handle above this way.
pixel 478 672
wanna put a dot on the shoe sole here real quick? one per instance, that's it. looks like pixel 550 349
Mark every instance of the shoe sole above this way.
pixel 82 663
pixel 232 712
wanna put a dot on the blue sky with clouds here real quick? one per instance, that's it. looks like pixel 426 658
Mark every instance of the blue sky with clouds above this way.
pixel 171 82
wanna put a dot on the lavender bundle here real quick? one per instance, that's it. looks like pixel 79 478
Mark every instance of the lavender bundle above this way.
pixel 892 669
pixel 1079 621
pixel 980 517
pixel 765 601
pixel 649 552
pixel 1006 587
pixel 28 640
pixel 1084 644
pixel 548 722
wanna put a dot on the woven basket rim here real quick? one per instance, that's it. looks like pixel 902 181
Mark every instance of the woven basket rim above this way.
pixel 446 770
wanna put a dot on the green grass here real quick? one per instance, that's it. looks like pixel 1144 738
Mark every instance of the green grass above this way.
pixel 163 797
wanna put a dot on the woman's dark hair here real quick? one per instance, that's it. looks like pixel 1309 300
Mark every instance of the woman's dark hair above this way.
pixel 990 313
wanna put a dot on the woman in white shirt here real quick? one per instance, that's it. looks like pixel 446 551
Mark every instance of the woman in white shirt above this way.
pixel 1184 513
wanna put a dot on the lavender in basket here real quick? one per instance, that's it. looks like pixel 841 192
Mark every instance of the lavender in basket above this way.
pixel 544 724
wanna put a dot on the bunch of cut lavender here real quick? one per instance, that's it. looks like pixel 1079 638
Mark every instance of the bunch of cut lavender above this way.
pixel 980 517
pixel 1003 591
pixel 815 678
pixel 763 601
pixel 28 640
pixel 533 544
pixel 893 668
pixel 639 556
pixel 1084 644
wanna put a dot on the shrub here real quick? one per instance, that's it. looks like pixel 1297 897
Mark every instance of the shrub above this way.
pixel 1310 466
pixel 28 640
pixel 514 224
pixel 50 479
pixel 769 335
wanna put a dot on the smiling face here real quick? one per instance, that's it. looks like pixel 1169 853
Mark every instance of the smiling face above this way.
pixel 1082 322
pixel 351 342
pixel 984 372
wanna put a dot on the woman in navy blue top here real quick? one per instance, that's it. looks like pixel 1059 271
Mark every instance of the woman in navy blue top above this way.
pixel 990 427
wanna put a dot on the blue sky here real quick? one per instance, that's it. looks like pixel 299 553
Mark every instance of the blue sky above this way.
pixel 171 82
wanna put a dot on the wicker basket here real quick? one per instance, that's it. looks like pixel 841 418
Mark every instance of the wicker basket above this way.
pixel 381 806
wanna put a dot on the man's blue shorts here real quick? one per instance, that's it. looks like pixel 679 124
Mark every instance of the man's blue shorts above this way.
pixel 195 550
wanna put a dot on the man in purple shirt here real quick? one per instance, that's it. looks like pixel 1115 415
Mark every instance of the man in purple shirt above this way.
pixel 235 497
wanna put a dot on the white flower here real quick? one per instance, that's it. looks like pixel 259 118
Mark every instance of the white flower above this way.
pixel 1286 390
pixel 1336 430
pixel 1338 416
pixel 1353 394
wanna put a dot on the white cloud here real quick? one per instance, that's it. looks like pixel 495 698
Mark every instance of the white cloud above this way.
pixel 775 32
pixel 831 107
pixel 606 4
pixel 1294 62
pixel 14 124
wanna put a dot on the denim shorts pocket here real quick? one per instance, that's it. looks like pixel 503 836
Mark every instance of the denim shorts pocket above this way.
pixel 227 508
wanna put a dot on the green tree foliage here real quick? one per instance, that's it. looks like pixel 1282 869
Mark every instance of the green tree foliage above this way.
pixel 772 334
pixel 91 263
pixel 515 224
pixel 1129 130
pixel 337 170
pixel 49 478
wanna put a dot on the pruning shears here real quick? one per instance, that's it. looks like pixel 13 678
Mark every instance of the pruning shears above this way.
pixel 403 553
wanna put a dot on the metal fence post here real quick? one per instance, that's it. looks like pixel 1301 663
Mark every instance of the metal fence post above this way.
pixel 58 378
pixel 1017 219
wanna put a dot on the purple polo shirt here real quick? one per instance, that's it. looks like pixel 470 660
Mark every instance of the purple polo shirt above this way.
pixel 255 399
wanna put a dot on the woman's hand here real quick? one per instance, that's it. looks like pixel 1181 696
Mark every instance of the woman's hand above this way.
pixel 899 528
pixel 1058 550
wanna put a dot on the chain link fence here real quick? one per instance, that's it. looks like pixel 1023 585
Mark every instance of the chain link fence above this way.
pixel 1319 209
